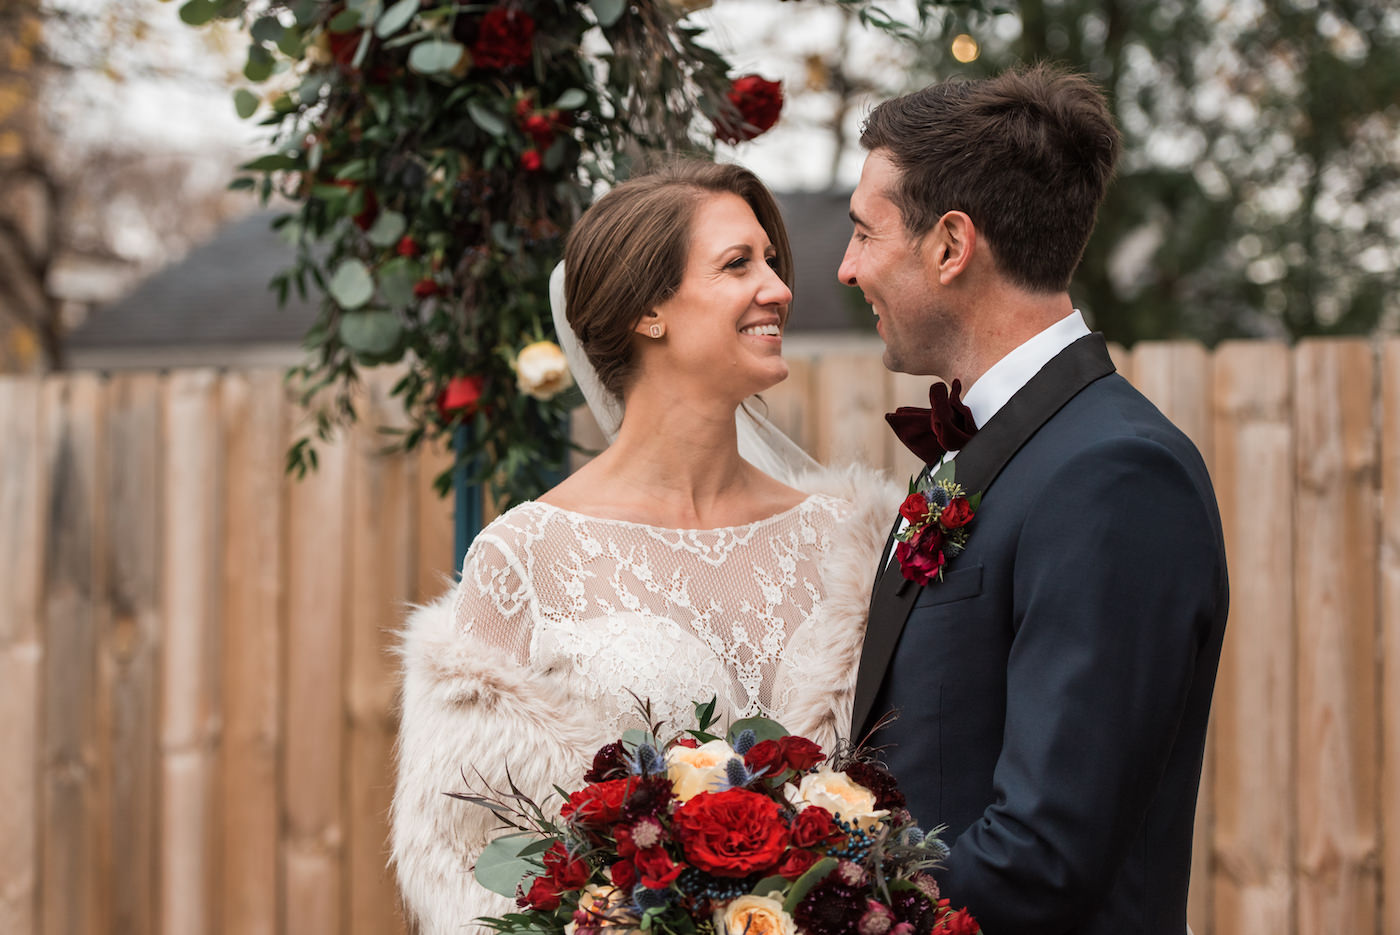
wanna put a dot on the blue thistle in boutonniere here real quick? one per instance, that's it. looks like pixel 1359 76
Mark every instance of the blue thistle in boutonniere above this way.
pixel 938 513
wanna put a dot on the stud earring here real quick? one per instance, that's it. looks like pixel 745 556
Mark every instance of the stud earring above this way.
pixel 656 330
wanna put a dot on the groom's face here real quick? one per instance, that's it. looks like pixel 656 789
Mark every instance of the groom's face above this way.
pixel 888 265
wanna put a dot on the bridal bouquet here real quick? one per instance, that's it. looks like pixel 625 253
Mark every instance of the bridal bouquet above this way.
pixel 756 832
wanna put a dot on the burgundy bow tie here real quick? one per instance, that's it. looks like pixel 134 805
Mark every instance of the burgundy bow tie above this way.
pixel 929 433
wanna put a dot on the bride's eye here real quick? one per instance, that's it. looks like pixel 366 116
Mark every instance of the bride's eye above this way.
pixel 737 263
pixel 773 262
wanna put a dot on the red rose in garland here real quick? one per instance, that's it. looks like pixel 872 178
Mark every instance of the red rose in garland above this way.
pixel 462 394
pixel 733 833
pixel 758 101
pixel 505 39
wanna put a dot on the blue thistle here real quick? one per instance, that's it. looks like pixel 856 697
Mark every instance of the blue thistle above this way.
pixel 938 496
pixel 914 836
pixel 745 741
pixel 646 761
pixel 644 899
pixel 736 774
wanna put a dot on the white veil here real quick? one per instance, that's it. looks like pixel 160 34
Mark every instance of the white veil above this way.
pixel 761 443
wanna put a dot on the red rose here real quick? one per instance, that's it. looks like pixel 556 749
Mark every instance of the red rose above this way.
pixel 542 896
pixel 814 826
pixel 565 872
pixel 731 834
pixel 504 39
pixel 688 742
pixel 624 875
pixel 524 105
pixel 758 102
pixel 540 129
pixel 425 288
pixel 657 869
pixel 917 565
pixel 598 804
pixel 462 394
pixel 407 246
pixel 957 513
pixel 367 214
pixel 799 753
pixel 765 756
pixel 530 160
pixel 795 863
pixel 914 508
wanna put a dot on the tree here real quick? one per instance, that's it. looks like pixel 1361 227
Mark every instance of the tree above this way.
pixel 1258 188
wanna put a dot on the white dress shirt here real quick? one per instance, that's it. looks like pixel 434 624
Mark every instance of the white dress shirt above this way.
pixel 1005 377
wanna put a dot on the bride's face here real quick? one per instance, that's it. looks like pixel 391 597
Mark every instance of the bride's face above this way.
pixel 724 324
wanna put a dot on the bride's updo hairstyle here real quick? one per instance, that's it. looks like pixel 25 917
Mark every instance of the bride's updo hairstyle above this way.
pixel 628 252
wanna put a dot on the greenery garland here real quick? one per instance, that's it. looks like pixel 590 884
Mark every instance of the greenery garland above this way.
pixel 435 155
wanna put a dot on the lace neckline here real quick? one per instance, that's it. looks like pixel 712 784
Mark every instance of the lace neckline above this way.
pixel 762 521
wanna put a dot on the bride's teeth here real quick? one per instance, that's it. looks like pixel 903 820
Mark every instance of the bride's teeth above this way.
pixel 762 329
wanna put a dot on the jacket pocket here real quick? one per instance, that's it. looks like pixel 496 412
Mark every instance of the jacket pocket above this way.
pixel 956 585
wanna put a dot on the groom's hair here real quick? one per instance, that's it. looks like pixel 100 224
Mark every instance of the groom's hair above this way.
pixel 1027 155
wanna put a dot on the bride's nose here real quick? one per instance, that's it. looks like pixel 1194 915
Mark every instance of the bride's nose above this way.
pixel 774 291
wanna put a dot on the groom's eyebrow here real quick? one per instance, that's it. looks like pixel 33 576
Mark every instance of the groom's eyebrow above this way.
pixel 855 218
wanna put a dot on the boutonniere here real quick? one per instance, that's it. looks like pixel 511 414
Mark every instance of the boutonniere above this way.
pixel 938 512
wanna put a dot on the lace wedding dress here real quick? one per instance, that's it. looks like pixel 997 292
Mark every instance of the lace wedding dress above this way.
pixel 527 667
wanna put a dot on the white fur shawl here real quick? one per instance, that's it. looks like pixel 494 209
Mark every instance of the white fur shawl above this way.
pixel 467 710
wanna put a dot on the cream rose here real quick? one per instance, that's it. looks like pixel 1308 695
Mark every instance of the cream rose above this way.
pixel 693 771
pixel 754 915
pixel 606 908
pixel 835 792
pixel 541 370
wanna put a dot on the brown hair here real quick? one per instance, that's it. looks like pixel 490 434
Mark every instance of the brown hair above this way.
pixel 628 252
pixel 1027 155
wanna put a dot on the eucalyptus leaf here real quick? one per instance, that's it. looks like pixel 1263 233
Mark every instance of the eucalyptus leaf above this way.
pixel 769 885
pixel 270 163
pixel 267 29
pixel 289 43
pixel 634 737
pixel 372 333
pixel 245 103
pixel 351 285
pixel 198 12
pixel 435 56
pixel 803 885
pixel 500 868
pixel 485 119
pixel 344 21
pixel 260 64
pixel 387 229
pixel 395 18
pixel 608 11
pixel 361 50
pixel 571 99
pixel 397 279
pixel 306 11
pixel 763 729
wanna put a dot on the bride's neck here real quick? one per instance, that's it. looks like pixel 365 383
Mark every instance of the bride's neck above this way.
pixel 676 449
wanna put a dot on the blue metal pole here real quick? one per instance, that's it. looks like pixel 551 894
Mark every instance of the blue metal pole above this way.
pixel 466 511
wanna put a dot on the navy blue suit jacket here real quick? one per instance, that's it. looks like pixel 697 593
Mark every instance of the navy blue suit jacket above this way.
pixel 1052 691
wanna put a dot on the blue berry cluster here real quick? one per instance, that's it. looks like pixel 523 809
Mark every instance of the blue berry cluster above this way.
pixel 858 843
pixel 701 885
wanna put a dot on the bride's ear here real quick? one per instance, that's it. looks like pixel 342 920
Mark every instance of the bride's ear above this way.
pixel 652 325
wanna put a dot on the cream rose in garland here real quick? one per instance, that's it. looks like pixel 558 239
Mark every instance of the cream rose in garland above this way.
pixel 541 370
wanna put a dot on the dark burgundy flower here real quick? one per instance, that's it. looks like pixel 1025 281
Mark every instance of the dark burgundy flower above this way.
pixel 504 39
pixel 610 762
pixel 878 780
pixel 832 907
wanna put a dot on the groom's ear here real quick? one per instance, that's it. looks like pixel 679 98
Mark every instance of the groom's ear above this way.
pixel 949 246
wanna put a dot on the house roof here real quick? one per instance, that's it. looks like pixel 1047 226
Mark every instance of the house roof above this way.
pixel 215 305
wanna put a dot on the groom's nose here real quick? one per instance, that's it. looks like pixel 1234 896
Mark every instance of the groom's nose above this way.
pixel 846 272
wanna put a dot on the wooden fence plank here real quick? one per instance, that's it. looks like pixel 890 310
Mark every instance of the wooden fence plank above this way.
pixel 383 508
pixel 1390 637
pixel 128 653
pixel 849 396
pixel 313 848
pixel 1255 802
pixel 788 405
pixel 22 545
pixel 191 681
pixel 72 444
pixel 253 416
pixel 1338 806
pixel 1176 376
pixel 434 552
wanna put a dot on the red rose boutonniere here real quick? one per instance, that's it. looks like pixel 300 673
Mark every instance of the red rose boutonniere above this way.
pixel 938 514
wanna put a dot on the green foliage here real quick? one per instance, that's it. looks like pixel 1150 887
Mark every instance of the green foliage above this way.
pixel 435 154
pixel 1257 191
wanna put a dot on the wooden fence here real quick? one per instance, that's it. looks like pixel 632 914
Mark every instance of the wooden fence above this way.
pixel 197 699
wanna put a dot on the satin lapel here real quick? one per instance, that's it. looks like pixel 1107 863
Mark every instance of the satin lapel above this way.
pixel 978 464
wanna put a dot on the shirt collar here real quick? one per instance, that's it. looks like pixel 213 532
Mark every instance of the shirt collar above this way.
pixel 1001 381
